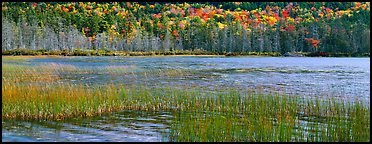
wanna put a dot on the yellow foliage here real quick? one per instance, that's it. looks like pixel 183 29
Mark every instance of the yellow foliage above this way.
pixel 221 25
pixel 271 20
pixel 184 22
pixel 289 19
pixel 74 11
pixel 113 8
pixel 321 14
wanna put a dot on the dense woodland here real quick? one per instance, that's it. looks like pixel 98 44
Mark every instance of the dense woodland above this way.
pixel 209 26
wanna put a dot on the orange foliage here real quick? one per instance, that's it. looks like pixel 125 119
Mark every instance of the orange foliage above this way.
pixel 159 25
pixel 88 7
pixel 244 13
pixel 211 14
pixel 238 18
pixel 175 33
pixel 313 42
pixel 205 16
pixel 65 9
pixel 198 11
pixel 276 16
pixel 271 20
pixel 157 15
pixel 129 5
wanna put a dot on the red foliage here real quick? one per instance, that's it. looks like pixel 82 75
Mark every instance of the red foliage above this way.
pixel 290 28
pixel 357 4
pixel 285 14
pixel 256 14
pixel 65 9
pixel 327 10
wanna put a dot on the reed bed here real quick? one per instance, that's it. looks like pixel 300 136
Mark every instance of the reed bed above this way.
pixel 229 115
pixel 274 118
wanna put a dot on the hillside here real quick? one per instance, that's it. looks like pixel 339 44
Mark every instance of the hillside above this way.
pixel 240 27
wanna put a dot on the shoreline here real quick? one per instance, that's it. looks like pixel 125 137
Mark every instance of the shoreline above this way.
pixel 25 52
pixel 78 52
pixel 180 55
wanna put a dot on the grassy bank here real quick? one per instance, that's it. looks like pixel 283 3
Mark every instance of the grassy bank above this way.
pixel 230 115
pixel 79 52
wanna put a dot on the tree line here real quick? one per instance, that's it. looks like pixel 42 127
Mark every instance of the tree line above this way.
pixel 62 27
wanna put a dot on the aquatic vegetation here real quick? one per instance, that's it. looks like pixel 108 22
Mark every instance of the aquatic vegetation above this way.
pixel 268 69
pixel 36 92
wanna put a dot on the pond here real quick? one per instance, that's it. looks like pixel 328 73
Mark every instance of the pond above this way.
pixel 342 78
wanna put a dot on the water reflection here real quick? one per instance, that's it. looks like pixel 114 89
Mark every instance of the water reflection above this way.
pixel 122 126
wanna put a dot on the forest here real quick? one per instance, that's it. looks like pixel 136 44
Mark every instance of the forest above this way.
pixel 240 27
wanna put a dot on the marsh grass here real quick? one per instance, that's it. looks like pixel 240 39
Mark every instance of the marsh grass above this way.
pixel 274 119
pixel 33 92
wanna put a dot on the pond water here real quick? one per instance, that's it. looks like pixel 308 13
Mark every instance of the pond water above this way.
pixel 129 126
pixel 342 78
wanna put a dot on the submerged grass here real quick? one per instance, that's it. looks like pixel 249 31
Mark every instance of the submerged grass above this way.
pixel 230 115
